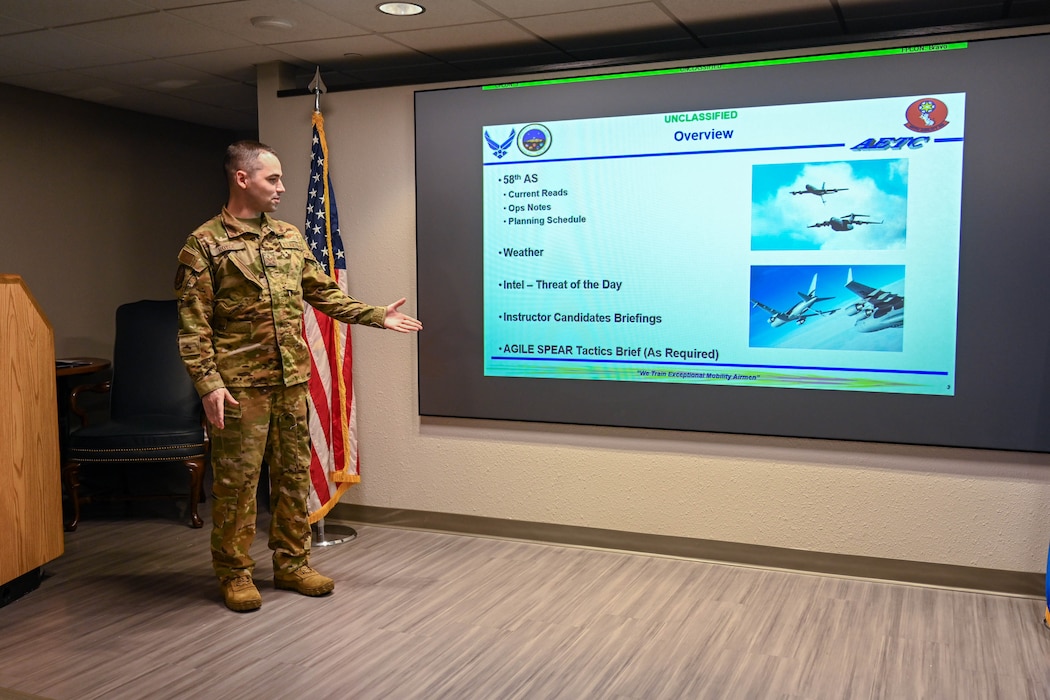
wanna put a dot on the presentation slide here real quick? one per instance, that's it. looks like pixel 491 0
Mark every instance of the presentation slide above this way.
pixel 768 246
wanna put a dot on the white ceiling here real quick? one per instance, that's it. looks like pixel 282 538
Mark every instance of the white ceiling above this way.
pixel 195 60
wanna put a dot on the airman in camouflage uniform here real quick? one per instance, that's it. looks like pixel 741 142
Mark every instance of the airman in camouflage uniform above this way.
pixel 241 283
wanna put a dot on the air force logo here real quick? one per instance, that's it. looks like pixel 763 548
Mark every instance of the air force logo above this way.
pixel 499 149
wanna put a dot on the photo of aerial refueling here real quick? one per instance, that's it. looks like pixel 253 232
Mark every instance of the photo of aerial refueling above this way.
pixel 827 307
pixel 841 205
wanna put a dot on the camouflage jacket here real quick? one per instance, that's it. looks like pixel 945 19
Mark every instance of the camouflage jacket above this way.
pixel 241 304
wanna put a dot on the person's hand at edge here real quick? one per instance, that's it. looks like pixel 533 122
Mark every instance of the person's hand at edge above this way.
pixel 215 406
pixel 397 321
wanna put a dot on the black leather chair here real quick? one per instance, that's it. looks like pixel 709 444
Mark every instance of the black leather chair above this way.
pixel 155 414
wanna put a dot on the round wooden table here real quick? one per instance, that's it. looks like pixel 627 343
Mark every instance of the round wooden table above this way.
pixel 72 366
pixel 66 367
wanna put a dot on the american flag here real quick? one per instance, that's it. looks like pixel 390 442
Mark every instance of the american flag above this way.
pixel 333 419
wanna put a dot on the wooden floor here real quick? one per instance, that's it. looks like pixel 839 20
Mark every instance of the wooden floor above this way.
pixel 132 611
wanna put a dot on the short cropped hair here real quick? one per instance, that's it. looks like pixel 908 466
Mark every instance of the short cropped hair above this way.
pixel 244 155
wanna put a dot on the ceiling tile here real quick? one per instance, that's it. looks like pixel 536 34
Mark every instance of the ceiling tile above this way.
pixel 150 73
pixel 228 95
pixel 58 13
pixel 330 53
pixel 439 13
pixel 236 64
pixel 516 8
pixel 727 24
pixel 157 35
pixel 175 4
pixel 10 25
pixel 235 17
pixel 610 26
pixel 58 48
pixel 68 83
pixel 721 16
pixel 472 40
pixel 15 66
pixel 763 39
pixel 186 110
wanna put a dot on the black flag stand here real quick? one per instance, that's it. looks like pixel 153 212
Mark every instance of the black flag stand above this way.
pixel 339 533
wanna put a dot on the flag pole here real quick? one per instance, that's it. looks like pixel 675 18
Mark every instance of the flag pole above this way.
pixel 340 533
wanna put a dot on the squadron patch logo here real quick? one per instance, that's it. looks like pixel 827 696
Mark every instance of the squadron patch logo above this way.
pixel 926 115
pixel 534 140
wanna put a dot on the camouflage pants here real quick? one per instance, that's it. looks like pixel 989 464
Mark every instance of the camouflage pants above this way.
pixel 270 423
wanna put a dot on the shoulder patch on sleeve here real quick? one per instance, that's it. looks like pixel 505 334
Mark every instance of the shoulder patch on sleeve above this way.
pixel 191 259
pixel 189 345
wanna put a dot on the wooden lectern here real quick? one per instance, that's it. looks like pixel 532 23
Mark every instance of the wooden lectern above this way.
pixel 30 483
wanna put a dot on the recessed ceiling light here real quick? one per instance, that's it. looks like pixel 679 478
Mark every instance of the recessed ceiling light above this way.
pixel 267 22
pixel 400 8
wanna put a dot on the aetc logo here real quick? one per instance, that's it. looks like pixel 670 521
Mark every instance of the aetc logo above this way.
pixel 534 140
pixel 926 115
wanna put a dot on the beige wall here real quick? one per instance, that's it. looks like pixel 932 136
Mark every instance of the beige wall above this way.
pixel 96 204
pixel 961 507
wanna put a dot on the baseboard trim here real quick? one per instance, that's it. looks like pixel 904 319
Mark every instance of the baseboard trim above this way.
pixel 971 578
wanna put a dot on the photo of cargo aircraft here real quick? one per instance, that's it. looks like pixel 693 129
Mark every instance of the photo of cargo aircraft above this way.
pixel 797 313
pixel 844 223
pixel 880 309
pixel 820 191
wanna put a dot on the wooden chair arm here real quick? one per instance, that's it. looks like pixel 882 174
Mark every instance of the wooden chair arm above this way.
pixel 102 388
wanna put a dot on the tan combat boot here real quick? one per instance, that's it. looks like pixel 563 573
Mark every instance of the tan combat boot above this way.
pixel 241 594
pixel 304 580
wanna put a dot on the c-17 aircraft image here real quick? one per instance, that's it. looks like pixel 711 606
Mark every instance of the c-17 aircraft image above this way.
pixel 881 309
pixel 820 191
pixel 844 223
pixel 799 312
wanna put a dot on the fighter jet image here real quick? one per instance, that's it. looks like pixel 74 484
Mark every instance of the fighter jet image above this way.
pixel 797 313
pixel 820 191
pixel 844 223
pixel 880 309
